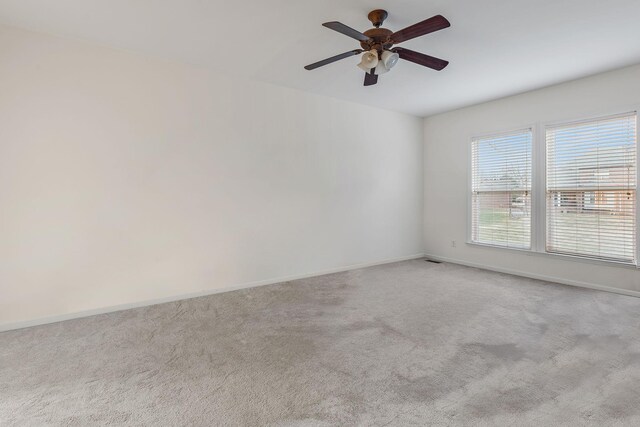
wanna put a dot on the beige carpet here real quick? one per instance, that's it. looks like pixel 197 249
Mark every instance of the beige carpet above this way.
pixel 411 343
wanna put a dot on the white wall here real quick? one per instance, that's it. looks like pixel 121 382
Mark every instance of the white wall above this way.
pixel 125 179
pixel 447 140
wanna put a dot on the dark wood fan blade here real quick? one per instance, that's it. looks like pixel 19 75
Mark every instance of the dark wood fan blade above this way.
pixel 421 58
pixel 347 31
pixel 370 78
pixel 427 26
pixel 333 59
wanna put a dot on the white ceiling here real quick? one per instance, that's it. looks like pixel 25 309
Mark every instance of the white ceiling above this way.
pixel 496 47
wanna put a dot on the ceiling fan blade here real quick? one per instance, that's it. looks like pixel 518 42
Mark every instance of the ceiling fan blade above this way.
pixel 347 31
pixel 421 59
pixel 370 78
pixel 427 26
pixel 333 59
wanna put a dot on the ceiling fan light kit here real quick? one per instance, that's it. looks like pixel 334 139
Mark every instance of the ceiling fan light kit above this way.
pixel 381 69
pixel 377 44
pixel 369 60
pixel 389 59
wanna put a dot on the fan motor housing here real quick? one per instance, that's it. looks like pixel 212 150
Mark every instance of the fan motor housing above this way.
pixel 380 39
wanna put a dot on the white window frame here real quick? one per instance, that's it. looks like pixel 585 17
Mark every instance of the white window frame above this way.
pixel 469 234
pixel 541 232
pixel 539 185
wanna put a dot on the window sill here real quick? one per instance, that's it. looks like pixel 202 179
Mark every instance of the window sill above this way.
pixel 563 257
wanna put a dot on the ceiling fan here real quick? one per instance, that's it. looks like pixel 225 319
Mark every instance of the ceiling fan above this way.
pixel 377 44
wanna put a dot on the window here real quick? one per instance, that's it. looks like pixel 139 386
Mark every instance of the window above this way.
pixel 501 190
pixel 591 188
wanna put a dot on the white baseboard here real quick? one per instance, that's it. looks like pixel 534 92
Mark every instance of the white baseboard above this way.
pixel 542 277
pixel 62 317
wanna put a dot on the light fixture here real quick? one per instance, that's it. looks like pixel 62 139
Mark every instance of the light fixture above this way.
pixel 389 59
pixel 369 60
pixel 381 69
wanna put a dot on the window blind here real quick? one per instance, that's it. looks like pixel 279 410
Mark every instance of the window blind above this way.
pixel 501 190
pixel 591 188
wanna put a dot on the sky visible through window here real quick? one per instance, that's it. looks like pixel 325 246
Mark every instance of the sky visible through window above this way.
pixel 504 162
pixel 595 139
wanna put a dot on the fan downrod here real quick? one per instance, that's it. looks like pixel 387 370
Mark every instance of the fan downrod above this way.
pixel 377 17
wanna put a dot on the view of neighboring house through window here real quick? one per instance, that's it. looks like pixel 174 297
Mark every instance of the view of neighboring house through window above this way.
pixel 501 190
pixel 591 188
